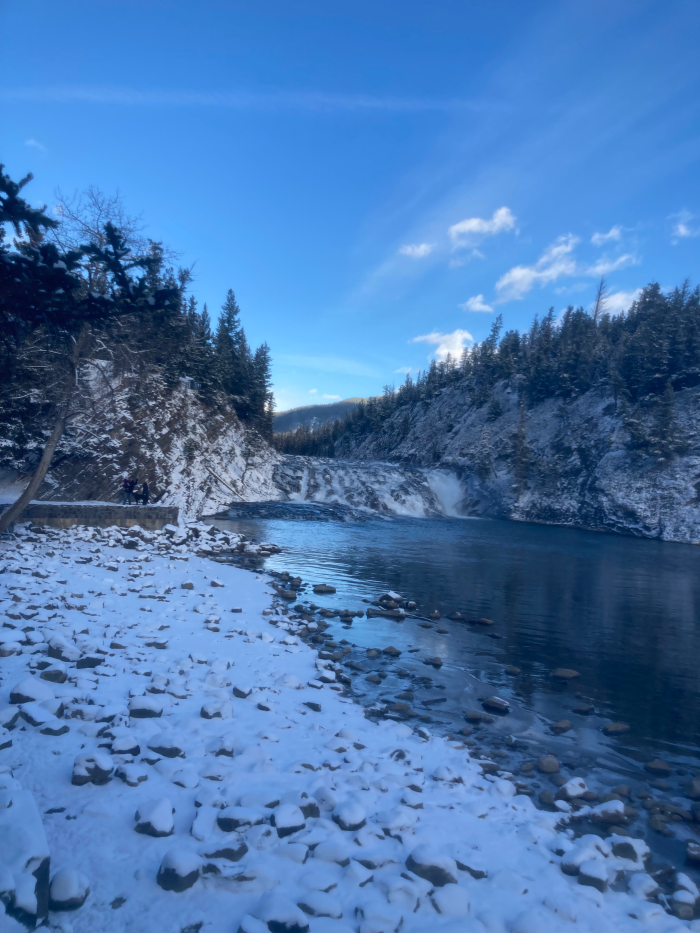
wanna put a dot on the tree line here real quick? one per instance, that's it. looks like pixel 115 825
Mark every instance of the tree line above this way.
pixel 639 358
pixel 83 294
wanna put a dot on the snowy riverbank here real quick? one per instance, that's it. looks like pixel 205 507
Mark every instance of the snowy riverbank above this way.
pixel 163 728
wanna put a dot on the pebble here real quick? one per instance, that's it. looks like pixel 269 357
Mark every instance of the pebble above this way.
pixel 547 764
pixel 565 673
pixel 615 728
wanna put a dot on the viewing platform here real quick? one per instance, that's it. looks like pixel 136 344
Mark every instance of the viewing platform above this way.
pixel 99 514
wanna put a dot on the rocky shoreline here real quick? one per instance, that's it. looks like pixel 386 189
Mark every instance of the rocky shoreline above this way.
pixel 205 766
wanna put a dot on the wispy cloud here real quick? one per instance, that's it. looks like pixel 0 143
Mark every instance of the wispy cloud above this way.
pixel 617 302
pixel 406 370
pixel 445 344
pixel 476 303
pixel 33 144
pixel 606 264
pixel 682 229
pixel 473 230
pixel 313 391
pixel 555 262
pixel 327 364
pixel 417 250
pixel 274 99
pixel 330 396
pixel 613 234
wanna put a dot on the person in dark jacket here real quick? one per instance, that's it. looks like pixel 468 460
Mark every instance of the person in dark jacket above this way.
pixel 132 486
pixel 144 492
pixel 127 489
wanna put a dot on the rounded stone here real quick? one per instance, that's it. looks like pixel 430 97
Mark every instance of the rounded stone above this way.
pixel 548 764
pixel 565 673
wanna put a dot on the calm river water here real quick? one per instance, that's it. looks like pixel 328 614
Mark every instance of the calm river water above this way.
pixel 624 612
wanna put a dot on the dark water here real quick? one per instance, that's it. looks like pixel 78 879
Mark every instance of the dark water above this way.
pixel 623 612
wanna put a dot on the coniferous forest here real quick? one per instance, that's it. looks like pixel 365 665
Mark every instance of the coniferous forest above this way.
pixel 639 359
pixel 85 290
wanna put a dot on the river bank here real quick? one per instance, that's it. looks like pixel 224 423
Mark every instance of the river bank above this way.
pixel 262 790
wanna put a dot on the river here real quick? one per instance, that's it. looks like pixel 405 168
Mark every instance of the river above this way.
pixel 622 611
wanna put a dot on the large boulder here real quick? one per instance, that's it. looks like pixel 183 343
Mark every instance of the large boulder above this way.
pixel 24 855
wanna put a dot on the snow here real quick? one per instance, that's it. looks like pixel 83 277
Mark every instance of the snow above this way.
pixel 360 861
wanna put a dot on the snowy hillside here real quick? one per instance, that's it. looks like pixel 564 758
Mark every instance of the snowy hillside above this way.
pixel 197 458
pixel 582 469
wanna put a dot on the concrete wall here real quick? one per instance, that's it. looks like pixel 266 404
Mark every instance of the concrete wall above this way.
pixel 65 514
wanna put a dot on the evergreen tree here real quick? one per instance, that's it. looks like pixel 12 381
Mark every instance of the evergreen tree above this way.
pixel 521 453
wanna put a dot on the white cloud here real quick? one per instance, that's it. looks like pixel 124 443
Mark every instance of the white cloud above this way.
pixel 476 303
pixel 313 391
pixel 614 233
pixel 406 370
pixel 682 229
pixel 605 264
pixel 33 144
pixel 555 262
pixel 617 302
pixel 331 396
pixel 446 343
pixel 472 230
pixel 417 250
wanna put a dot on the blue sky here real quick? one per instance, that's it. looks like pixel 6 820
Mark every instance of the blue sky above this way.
pixel 374 180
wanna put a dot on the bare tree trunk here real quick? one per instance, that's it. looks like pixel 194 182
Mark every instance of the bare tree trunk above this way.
pixel 15 510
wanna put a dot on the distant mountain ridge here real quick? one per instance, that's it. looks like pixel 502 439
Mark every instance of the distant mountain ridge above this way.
pixel 312 416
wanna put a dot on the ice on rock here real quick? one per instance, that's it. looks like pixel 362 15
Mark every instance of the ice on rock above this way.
pixel 31 690
pixel 288 819
pixel 155 818
pixel 281 915
pixel 179 869
pixel 431 863
pixel 69 890
pixel 350 816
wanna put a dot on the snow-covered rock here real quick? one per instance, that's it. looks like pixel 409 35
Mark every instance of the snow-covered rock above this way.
pixel 69 890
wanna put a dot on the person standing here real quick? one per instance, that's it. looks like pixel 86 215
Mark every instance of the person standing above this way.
pixel 131 487
pixel 126 490
pixel 144 492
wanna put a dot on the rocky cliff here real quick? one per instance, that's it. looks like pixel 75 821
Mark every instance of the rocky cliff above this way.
pixel 584 466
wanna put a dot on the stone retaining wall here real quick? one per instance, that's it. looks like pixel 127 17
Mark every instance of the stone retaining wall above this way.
pixel 65 514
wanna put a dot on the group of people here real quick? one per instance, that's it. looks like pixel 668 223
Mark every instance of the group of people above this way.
pixel 129 491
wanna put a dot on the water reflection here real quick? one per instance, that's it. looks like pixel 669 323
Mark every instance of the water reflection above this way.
pixel 622 611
